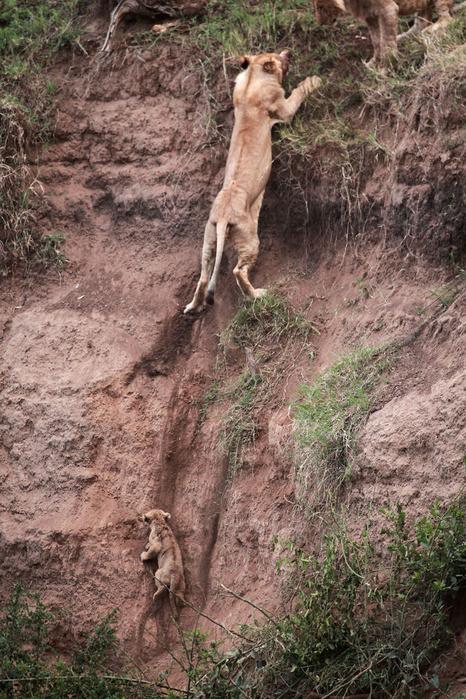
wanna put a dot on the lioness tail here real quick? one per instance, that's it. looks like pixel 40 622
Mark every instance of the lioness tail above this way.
pixel 222 226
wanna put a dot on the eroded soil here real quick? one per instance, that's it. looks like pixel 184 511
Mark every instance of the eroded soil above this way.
pixel 102 375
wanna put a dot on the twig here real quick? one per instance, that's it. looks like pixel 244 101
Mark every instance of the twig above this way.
pixel 248 601
pixel 206 616
pixel 316 695
pixel 118 678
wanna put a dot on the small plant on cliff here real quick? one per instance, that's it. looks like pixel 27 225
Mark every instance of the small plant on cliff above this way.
pixel 240 424
pixel 233 27
pixel 265 330
pixel 327 418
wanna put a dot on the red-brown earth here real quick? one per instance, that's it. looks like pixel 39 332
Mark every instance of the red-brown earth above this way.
pixel 102 375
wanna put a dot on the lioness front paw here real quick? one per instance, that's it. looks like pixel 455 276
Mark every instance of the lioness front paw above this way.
pixel 311 84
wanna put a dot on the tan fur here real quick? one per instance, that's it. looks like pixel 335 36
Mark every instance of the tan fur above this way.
pixel 259 102
pixel 381 17
pixel 163 546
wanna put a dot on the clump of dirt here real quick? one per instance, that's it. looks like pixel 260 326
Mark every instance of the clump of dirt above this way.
pixel 103 378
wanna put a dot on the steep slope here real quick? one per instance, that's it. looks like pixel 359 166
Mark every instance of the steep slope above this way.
pixel 103 378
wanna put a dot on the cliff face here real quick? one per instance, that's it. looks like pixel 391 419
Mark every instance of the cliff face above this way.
pixel 104 380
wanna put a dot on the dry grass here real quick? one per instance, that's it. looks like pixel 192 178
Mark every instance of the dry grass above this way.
pixel 31 32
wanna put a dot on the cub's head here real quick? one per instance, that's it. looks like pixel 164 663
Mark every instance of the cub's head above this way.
pixel 327 11
pixel 156 517
pixel 276 64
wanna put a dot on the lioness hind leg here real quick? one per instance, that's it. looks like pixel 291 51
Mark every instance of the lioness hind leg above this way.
pixel 159 588
pixel 208 249
pixel 375 34
pixel 388 30
pixel 248 249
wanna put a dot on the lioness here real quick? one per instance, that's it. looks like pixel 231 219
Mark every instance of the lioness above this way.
pixel 381 17
pixel 259 102
pixel 163 546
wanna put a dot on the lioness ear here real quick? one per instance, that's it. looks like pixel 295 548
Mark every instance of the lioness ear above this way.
pixel 244 62
pixel 269 67
pixel 167 515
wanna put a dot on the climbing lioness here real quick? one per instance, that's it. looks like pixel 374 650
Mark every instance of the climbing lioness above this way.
pixel 259 102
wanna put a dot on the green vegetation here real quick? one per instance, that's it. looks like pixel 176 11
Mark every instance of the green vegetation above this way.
pixel 240 425
pixel 31 32
pixel 234 27
pixel 363 620
pixel 353 630
pixel 29 664
pixel 265 330
pixel 264 325
pixel 328 417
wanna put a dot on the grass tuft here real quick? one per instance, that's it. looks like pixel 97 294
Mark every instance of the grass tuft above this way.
pixel 269 320
pixel 264 330
pixel 327 419
pixel 31 32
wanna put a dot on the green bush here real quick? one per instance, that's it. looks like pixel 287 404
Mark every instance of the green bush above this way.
pixel 29 664
pixel 363 620
pixel 359 624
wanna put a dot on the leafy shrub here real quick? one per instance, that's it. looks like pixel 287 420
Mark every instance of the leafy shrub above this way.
pixel 29 667
pixel 363 621
pixel 360 624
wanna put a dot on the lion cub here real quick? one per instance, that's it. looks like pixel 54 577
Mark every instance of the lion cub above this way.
pixel 381 17
pixel 259 101
pixel 163 546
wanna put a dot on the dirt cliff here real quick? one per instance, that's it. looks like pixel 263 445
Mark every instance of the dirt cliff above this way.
pixel 103 377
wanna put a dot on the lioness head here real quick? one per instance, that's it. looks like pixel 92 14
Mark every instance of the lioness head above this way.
pixel 157 516
pixel 327 11
pixel 272 63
